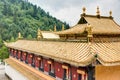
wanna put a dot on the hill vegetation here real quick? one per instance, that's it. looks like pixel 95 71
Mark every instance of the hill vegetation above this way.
pixel 21 16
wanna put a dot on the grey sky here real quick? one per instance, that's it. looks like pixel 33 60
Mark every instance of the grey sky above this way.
pixel 70 10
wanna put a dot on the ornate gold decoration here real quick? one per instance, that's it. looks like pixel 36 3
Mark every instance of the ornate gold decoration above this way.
pixel 55 28
pixel 49 62
pixel 80 72
pixel 39 34
pixel 25 54
pixel 110 13
pixel 31 56
pixel 64 67
pixel 19 35
pixel 63 27
pixel 84 9
pixel 39 58
pixel 89 30
pixel 98 12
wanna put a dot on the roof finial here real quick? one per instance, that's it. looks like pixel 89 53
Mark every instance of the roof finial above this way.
pixel 98 12
pixel 63 27
pixel 84 9
pixel 39 34
pixel 19 35
pixel 55 27
pixel 110 13
pixel 89 32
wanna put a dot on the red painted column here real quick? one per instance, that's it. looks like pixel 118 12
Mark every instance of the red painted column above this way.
pixel 58 70
pixel 33 60
pixel 30 56
pixel 41 64
pixel 19 54
pixel 37 62
pixel 24 56
pixel 45 65
pixel 74 73
pixel 14 53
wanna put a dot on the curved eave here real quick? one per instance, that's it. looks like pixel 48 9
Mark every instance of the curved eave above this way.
pixel 74 63
pixel 108 63
pixel 84 62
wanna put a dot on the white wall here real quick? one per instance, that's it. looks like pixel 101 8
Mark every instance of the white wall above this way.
pixel 14 74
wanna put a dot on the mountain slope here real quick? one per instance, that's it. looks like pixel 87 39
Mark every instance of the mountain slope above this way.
pixel 22 16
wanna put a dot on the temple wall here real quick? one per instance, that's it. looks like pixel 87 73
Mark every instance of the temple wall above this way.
pixel 37 62
pixel 53 68
pixel 74 73
pixel 107 72
pixel 58 70
pixel 29 59
pixel 45 65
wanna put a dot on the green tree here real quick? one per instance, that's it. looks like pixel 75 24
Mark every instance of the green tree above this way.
pixel 3 53
pixel 35 11
pixel 15 15
pixel 12 39
pixel 5 9
pixel 29 36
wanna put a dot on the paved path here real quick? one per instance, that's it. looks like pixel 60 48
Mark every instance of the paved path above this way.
pixel 2 73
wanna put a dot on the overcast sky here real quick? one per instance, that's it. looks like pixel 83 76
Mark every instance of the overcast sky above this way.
pixel 70 10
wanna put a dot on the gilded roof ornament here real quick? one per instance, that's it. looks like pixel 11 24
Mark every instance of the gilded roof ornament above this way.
pixel 55 28
pixel 89 33
pixel 98 12
pixel 63 27
pixel 110 13
pixel 19 35
pixel 84 9
pixel 89 30
pixel 39 34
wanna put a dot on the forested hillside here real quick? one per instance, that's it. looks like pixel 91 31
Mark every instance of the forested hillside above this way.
pixel 22 16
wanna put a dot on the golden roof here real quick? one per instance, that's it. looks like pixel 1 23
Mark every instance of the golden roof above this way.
pixel 74 53
pixel 102 25
pixel 77 29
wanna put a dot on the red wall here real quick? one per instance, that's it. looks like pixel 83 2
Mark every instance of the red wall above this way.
pixel 58 70
pixel 74 73
pixel 57 66
pixel 19 54
pixel 37 62
pixel 14 53
pixel 30 58
pixel 24 56
pixel 45 65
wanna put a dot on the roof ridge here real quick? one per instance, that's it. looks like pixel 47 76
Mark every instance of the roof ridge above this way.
pixel 89 15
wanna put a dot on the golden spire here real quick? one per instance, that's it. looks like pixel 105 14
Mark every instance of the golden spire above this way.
pixel 84 9
pixel 89 32
pixel 19 35
pixel 63 27
pixel 98 11
pixel 39 35
pixel 110 13
pixel 54 27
